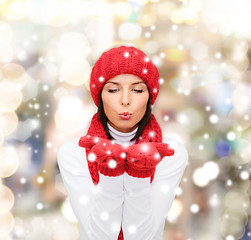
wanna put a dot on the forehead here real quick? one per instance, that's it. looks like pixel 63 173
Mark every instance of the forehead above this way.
pixel 125 79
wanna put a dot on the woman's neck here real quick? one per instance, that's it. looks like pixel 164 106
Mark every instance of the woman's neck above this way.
pixel 122 137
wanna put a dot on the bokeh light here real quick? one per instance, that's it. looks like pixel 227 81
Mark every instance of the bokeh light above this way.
pixel 6 199
pixel 71 114
pixel 202 51
pixel 67 212
pixel 6 224
pixel 8 122
pixel 9 161
pixel 10 97
pixel 75 71
pixel 175 211
pixel 14 73
pixel 130 31
pixel 73 44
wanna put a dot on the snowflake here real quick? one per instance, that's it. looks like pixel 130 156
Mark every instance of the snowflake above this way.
pixel 157 156
pixel 155 90
pixel 244 175
pixel 125 145
pixel 165 188
pixel 123 155
pixel 101 78
pixel 152 134
pixel 108 152
pixel 214 200
pixel 40 179
pixel 23 180
pixel 132 229
pixel 144 148
pixel 112 163
pixel 147 59
pixel 104 216
pixel 229 182
pixel 115 227
pixel 166 118
pixel 126 54
pixel 145 70
pixel 83 199
pixel 178 191
pixel 194 208
pixel 161 81
pixel 229 237
pixel 40 206
pixel 92 157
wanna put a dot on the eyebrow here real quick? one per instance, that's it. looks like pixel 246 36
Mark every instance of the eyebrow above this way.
pixel 116 83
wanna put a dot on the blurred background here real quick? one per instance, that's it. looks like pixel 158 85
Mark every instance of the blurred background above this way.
pixel 202 49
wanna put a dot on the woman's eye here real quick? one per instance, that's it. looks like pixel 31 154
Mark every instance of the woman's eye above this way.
pixel 138 90
pixel 112 90
pixel 116 90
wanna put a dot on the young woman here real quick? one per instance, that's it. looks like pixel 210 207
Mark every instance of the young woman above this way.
pixel 121 176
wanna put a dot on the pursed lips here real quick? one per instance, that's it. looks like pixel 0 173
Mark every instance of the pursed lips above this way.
pixel 125 113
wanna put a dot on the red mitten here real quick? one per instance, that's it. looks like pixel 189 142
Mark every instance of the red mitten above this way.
pixel 164 149
pixel 87 141
pixel 142 158
pixel 110 156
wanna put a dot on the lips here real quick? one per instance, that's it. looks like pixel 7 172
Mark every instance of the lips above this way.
pixel 125 115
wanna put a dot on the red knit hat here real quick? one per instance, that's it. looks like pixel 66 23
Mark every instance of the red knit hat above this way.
pixel 124 60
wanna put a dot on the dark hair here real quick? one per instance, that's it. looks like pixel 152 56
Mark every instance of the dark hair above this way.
pixel 141 124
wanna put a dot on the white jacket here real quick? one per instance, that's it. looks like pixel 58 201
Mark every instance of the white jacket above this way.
pixel 135 203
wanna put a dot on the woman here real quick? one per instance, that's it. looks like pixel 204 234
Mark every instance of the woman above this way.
pixel 121 176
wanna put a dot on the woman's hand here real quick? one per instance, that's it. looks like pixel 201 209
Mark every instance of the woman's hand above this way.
pixel 109 156
pixel 142 158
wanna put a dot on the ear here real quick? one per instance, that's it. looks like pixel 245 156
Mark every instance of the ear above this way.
pixel 87 142
pixel 164 149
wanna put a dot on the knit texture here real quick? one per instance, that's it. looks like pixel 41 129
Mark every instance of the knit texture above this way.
pixel 138 160
pixel 151 134
pixel 116 61
pixel 109 156
pixel 124 60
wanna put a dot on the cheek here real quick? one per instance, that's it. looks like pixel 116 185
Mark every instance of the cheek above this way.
pixel 141 103
pixel 105 99
pixel 109 102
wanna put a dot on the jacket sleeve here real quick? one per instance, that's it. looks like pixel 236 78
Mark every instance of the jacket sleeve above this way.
pixel 147 204
pixel 97 208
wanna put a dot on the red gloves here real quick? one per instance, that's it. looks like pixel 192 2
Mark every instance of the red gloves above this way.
pixel 142 158
pixel 106 153
pixel 138 160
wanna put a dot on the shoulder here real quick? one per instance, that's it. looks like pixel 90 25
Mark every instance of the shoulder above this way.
pixel 180 151
pixel 71 159
pixel 70 148
pixel 71 144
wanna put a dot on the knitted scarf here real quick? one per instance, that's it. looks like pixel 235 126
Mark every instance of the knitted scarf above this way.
pixel 151 133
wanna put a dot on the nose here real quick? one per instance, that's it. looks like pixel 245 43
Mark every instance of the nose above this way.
pixel 125 98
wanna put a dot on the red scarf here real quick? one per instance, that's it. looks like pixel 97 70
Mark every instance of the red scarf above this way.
pixel 151 133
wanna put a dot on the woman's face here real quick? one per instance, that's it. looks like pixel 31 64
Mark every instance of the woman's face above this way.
pixel 125 99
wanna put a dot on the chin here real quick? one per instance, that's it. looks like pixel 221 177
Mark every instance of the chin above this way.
pixel 125 128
